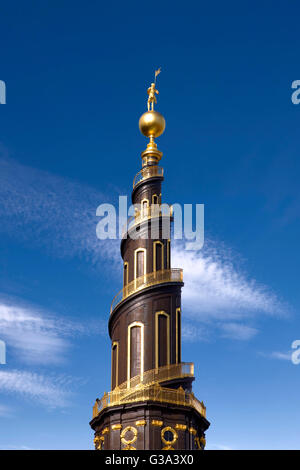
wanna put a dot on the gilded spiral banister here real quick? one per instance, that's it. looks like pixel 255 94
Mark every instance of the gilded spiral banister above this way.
pixel 148 172
pixel 150 212
pixel 145 281
pixel 161 374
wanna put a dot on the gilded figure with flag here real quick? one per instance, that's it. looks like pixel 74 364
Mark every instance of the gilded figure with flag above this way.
pixel 152 91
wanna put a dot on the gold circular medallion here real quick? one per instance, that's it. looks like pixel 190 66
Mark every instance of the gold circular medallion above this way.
pixel 129 429
pixel 169 436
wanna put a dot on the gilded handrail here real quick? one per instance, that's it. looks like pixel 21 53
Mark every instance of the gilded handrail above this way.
pixel 169 372
pixel 148 172
pixel 153 393
pixel 155 210
pixel 147 280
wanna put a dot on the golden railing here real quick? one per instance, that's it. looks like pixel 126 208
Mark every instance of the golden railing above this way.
pixel 148 172
pixel 152 211
pixel 162 374
pixel 147 280
pixel 153 393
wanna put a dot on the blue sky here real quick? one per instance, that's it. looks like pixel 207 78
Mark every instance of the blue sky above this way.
pixel 76 76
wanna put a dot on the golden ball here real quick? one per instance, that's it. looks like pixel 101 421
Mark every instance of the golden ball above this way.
pixel 152 123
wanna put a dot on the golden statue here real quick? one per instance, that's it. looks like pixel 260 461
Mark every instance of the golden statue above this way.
pixel 152 91
pixel 152 98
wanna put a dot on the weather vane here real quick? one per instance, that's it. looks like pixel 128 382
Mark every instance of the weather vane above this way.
pixel 152 91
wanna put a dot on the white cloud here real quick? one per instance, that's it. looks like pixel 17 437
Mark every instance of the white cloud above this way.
pixel 283 356
pixel 35 335
pixel 238 331
pixel 53 212
pixel 215 288
pixel 51 391
pixel 5 411
pixel 218 294
pixel 191 333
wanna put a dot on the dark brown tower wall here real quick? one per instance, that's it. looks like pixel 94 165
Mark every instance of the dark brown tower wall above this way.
pixel 143 308
pixel 146 190
pixel 130 247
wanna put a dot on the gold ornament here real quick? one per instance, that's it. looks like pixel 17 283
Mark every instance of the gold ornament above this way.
pixel 98 442
pixel 116 426
pixel 181 427
pixel 125 431
pixel 129 447
pixel 202 441
pixel 175 436
pixel 156 422
pixel 193 431
pixel 141 422
pixel 152 124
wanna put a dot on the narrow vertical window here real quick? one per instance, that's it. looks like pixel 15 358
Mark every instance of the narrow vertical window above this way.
pixel 140 263
pixel 135 351
pixel 114 364
pixel 158 256
pixel 144 207
pixel 125 274
pixel 162 339
pixel 135 354
pixel 154 199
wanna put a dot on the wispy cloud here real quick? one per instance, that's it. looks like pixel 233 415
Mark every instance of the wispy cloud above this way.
pixel 52 391
pixel 53 212
pixel 282 356
pixel 216 288
pixel 220 295
pixel 36 336
pixel 191 332
pixel 5 411
pixel 238 331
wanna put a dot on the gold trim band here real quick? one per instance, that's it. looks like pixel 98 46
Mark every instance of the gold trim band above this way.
pixel 156 422
pixel 116 426
pixel 181 427
pixel 141 422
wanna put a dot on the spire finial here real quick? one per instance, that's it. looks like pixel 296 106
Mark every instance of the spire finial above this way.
pixel 152 124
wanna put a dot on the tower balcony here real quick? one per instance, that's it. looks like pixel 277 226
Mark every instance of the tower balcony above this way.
pixel 150 212
pixel 146 173
pixel 147 280
pixel 154 393
pixel 162 374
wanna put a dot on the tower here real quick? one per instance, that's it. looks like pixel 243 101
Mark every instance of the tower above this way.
pixel 151 405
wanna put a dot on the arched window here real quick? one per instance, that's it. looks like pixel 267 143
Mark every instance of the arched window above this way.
pixel 125 274
pixel 135 351
pixel 158 256
pixel 162 339
pixel 144 208
pixel 139 262
pixel 155 199
pixel 114 364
